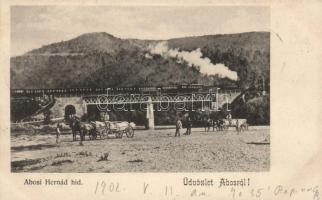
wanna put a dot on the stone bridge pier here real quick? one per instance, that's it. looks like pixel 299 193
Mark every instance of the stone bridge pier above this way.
pixel 150 114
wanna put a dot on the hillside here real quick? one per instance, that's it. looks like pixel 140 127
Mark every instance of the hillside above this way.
pixel 102 60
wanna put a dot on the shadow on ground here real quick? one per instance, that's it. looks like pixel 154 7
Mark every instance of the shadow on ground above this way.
pixel 32 147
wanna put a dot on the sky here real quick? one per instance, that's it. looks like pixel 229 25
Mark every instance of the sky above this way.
pixel 35 26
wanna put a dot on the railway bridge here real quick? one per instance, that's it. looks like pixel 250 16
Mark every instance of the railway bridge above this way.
pixel 78 100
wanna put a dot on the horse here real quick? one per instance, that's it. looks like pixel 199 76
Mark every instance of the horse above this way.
pixel 98 129
pixel 90 129
pixel 74 124
pixel 215 125
pixel 82 128
pixel 240 124
pixel 207 124
pixel 244 126
pixel 219 125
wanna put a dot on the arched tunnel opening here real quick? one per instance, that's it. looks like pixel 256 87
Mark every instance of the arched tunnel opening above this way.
pixel 69 110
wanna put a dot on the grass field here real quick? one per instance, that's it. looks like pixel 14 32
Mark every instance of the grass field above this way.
pixel 147 151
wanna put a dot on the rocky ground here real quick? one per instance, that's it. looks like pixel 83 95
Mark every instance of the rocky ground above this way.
pixel 147 151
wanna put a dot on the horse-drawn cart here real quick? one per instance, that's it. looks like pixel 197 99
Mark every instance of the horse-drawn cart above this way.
pixel 117 128
pixel 239 124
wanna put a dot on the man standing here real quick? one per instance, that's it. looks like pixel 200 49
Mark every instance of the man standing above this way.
pixel 237 126
pixel 58 128
pixel 229 117
pixel 189 126
pixel 178 127
pixel 105 116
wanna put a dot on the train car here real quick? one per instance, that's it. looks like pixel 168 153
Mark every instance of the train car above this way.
pixel 189 88
pixel 175 89
pixel 169 89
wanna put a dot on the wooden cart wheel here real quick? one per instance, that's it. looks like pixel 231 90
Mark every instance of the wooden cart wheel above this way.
pixel 120 134
pixel 129 132
pixel 103 135
pixel 109 132
pixel 117 134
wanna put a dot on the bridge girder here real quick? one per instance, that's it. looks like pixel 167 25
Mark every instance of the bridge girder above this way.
pixel 135 99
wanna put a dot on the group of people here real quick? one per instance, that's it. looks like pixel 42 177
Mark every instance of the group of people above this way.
pixel 179 127
pixel 207 123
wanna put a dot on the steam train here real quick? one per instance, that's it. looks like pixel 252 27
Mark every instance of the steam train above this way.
pixel 183 88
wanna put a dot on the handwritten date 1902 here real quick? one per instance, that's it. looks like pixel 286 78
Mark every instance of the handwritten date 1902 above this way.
pixel 103 187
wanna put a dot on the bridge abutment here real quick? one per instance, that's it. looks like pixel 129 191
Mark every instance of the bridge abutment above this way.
pixel 58 110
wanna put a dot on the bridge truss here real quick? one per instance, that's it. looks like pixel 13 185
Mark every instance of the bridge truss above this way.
pixel 145 98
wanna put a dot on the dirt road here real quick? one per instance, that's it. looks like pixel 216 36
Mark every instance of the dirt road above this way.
pixel 148 151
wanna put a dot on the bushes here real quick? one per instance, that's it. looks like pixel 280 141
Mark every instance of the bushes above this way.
pixel 47 116
pixel 256 110
pixel 23 108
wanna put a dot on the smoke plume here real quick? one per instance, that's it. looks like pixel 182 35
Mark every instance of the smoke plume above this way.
pixel 194 58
